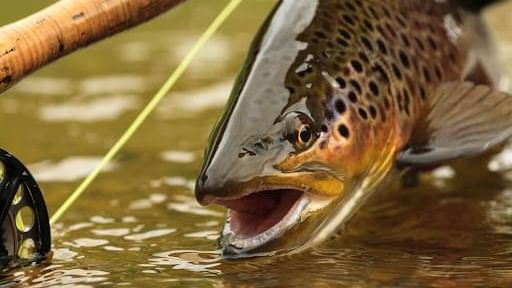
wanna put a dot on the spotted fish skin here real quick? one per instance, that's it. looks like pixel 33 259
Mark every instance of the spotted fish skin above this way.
pixel 363 76
pixel 368 69
pixel 334 90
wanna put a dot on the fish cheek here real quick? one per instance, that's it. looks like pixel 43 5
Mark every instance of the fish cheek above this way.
pixel 346 147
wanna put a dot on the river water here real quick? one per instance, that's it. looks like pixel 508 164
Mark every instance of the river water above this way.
pixel 139 225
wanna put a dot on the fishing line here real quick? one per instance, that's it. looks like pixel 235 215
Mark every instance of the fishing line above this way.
pixel 168 85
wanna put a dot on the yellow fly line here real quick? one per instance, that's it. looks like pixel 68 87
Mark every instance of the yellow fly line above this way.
pixel 168 85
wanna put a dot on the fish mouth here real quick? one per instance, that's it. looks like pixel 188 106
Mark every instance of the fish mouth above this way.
pixel 260 217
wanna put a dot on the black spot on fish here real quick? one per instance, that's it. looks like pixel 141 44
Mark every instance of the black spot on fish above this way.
pixel 382 72
pixel 400 20
pixel 340 106
pixel 374 12
pixel 423 94
pixel 342 42
pixel 343 130
pixel 349 20
pixel 431 28
pixel 374 88
pixel 352 97
pixel 387 105
pixel 407 111
pixel 398 97
pixel 358 67
pixel 373 112
pixel 397 72
pixel 345 34
pixel 438 72
pixel 350 6
pixel 386 11
pixel 406 41
pixel 426 74
pixel 359 4
pixel 420 43
pixel 363 113
pixel 341 82
pixel 383 114
pixel 325 128
pixel 391 30
pixel 356 86
pixel 418 24
pixel 368 25
pixel 367 43
pixel 382 32
pixel 382 46
pixel 432 43
pixel 404 59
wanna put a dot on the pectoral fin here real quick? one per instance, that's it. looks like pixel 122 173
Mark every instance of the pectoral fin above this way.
pixel 463 120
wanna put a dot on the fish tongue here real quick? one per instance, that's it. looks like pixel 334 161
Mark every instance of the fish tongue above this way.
pixel 257 203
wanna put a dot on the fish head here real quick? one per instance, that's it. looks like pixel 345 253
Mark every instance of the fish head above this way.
pixel 282 181
pixel 273 183
pixel 279 158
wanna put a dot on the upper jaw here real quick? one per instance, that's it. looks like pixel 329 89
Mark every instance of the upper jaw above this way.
pixel 315 183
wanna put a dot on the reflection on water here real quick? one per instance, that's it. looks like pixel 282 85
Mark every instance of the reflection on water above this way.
pixel 107 108
pixel 188 260
pixel 188 104
pixel 139 224
pixel 70 169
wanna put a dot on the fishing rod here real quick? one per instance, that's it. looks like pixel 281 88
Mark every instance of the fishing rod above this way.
pixel 28 238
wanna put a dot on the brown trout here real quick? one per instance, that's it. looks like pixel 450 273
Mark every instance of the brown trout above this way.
pixel 336 97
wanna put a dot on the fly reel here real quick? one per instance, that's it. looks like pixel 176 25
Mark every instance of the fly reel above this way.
pixel 25 227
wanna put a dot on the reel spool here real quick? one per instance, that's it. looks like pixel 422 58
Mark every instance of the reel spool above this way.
pixel 24 223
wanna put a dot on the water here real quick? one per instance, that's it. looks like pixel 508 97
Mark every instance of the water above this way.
pixel 139 223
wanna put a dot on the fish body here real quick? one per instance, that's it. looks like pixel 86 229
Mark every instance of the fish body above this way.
pixel 334 97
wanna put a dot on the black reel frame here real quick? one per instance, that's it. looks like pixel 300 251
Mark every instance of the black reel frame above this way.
pixel 24 223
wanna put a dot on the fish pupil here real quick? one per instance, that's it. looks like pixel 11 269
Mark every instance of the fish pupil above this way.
pixel 305 134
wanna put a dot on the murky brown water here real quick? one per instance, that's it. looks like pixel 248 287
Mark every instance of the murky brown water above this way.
pixel 139 225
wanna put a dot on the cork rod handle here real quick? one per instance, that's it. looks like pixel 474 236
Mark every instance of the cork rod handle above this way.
pixel 64 27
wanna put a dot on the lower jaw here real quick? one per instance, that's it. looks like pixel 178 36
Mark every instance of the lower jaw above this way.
pixel 237 246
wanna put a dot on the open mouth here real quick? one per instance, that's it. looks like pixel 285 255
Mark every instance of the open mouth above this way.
pixel 259 218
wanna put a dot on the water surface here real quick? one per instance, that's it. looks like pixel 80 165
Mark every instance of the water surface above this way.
pixel 139 225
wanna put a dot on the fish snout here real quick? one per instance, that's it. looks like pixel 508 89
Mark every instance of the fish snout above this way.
pixel 226 175
pixel 206 190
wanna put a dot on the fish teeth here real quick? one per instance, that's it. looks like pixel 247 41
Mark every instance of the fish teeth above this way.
pixel 233 245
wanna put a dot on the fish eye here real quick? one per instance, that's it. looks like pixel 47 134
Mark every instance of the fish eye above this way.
pixel 299 130
pixel 305 134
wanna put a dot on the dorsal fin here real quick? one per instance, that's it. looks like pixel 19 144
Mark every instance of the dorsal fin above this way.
pixel 463 120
